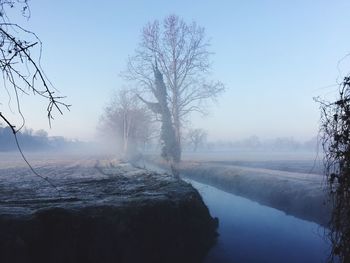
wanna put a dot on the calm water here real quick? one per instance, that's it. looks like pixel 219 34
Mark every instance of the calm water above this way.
pixel 250 232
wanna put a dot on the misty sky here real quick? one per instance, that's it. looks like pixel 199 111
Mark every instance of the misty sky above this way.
pixel 273 57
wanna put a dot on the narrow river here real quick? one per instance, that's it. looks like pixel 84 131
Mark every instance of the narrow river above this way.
pixel 250 232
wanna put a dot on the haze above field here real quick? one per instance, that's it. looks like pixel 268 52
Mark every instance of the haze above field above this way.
pixel 273 57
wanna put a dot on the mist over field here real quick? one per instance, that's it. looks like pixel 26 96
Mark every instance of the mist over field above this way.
pixel 160 131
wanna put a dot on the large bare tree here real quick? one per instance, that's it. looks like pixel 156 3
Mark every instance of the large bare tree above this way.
pixel 180 51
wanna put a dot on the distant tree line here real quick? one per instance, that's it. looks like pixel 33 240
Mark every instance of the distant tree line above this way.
pixel 32 140
pixel 196 140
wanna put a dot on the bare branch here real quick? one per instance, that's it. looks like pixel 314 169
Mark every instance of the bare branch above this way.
pixel 335 131
pixel 21 70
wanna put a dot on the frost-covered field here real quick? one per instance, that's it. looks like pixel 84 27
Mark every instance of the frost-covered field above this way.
pixel 297 161
pixel 287 183
pixel 99 205
pixel 42 159
pixel 18 184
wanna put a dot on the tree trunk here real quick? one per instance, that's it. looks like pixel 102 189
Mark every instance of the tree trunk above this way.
pixel 177 128
pixel 125 135
pixel 171 149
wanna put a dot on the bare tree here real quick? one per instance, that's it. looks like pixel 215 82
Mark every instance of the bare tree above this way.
pixel 181 53
pixel 127 122
pixel 335 131
pixel 197 137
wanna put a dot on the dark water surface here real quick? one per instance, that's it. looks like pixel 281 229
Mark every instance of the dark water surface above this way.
pixel 250 232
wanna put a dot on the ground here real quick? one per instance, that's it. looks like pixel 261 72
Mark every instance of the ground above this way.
pixel 98 210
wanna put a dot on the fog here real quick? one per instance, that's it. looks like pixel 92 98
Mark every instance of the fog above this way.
pixel 118 105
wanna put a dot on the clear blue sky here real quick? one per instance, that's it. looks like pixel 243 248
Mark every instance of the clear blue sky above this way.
pixel 273 57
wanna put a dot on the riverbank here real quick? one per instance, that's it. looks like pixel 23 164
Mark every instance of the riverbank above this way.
pixel 298 194
pixel 100 212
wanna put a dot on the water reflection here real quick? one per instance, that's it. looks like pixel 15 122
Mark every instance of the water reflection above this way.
pixel 250 232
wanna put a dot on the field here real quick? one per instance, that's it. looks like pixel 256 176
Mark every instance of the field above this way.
pixel 291 183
